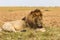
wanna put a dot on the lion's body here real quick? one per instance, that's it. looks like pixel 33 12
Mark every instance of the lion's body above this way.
pixel 33 20
pixel 14 26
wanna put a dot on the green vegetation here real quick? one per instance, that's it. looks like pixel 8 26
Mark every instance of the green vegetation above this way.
pixel 51 33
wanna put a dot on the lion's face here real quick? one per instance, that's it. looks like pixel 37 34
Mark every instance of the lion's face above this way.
pixel 32 19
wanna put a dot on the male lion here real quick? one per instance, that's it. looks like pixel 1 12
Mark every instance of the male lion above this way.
pixel 14 26
pixel 34 19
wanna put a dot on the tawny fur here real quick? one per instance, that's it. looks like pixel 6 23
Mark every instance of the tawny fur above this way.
pixel 34 19
pixel 14 26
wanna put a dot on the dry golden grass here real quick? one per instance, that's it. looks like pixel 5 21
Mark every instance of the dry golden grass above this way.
pixel 51 18
pixel 51 15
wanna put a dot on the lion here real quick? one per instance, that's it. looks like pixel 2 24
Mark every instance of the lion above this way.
pixel 13 26
pixel 34 19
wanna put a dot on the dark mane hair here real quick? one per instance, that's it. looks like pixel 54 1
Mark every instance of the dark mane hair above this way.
pixel 37 10
pixel 32 19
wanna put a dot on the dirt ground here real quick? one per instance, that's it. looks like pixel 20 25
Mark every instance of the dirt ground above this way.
pixel 51 15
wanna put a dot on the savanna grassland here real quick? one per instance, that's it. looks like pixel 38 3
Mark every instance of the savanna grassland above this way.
pixel 51 22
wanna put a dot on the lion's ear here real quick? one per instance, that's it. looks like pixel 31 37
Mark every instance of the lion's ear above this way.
pixel 24 18
pixel 31 12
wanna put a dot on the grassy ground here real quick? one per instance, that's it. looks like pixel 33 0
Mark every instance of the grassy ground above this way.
pixel 51 33
pixel 50 16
